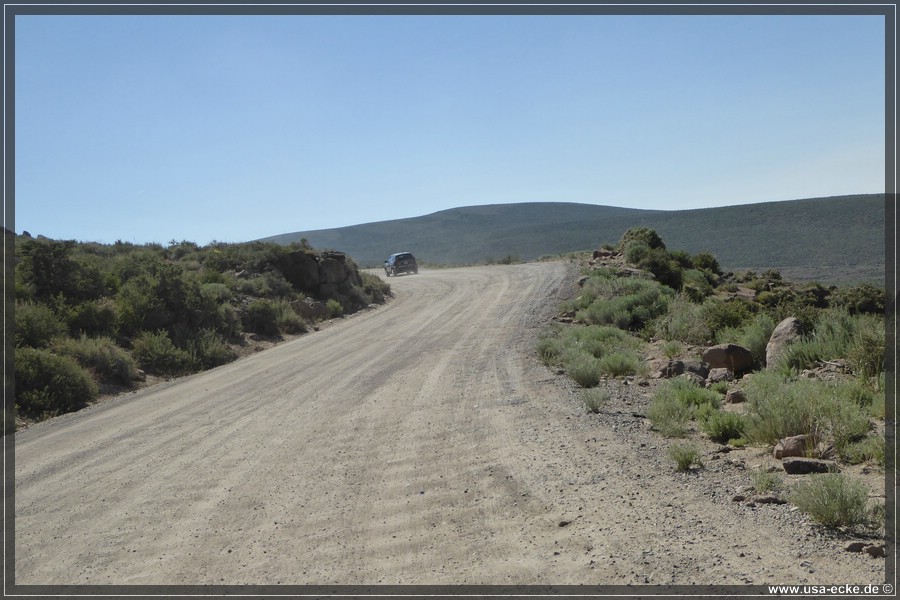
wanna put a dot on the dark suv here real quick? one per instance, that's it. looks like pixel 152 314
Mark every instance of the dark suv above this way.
pixel 401 262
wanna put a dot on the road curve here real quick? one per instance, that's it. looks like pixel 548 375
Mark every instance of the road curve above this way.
pixel 373 451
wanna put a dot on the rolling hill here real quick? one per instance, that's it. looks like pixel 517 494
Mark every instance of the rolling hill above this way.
pixel 840 238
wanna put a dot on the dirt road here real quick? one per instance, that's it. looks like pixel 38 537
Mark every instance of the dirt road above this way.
pixel 419 442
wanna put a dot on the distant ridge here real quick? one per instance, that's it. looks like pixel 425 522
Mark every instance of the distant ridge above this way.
pixel 839 237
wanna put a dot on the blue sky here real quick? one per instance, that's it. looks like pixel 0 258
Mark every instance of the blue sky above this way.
pixel 233 128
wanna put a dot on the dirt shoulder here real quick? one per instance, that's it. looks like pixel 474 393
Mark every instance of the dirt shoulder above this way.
pixel 417 443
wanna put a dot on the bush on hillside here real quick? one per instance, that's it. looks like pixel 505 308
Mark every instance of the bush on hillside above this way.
pixel 36 325
pixel 157 354
pixel 102 356
pixel 641 234
pixel 47 385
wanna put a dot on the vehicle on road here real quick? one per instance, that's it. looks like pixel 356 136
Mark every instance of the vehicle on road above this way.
pixel 400 262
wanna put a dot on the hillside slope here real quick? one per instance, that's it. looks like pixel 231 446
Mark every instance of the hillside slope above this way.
pixel 838 237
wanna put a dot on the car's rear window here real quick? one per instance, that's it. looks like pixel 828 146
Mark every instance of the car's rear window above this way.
pixel 404 256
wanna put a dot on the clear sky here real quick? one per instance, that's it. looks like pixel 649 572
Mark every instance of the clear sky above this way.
pixel 233 128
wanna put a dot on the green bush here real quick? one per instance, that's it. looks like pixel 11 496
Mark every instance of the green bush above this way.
pixel 207 350
pixel 261 317
pixel 764 481
pixel 780 408
pixel 684 322
pixel 838 334
pixel 157 354
pixel 48 385
pixel 672 349
pixel 832 500
pixel 684 456
pixel 695 285
pixel 867 450
pixel 96 318
pixel 101 355
pixel 623 303
pixel 677 401
pixel 375 288
pixel 335 308
pixel 583 368
pixel 618 364
pixel 860 299
pixel 690 394
pixel 753 335
pixel 595 399
pixel 721 314
pixel 635 251
pixel 723 426
pixel 669 416
pixel 666 270
pixel 286 318
pixel 36 325
pixel 642 234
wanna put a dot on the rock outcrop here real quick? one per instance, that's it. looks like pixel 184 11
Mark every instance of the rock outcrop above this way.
pixel 785 333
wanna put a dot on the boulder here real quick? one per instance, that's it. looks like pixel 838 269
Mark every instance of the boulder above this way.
pixel 673 368
pixel 301 270
pixel 735 397
pixel 797 445
pixel 717 375
pixel 785 333
pixel 311 309
pixel 729 356
pixel 697 368
pixel 796 465
pixel 693 377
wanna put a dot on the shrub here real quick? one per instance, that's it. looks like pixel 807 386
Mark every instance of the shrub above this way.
pixel 781 408
pixel 723 426
pixel 595 399
pixel 207 350
pixel 869 449
pixel 48 385
pixel 672 349
pixel 690 394
pixel 721 314
pixel 94 318
pixel 286 318
pixel 676 402
pixel 707 262
pixel 36 325
pixel 101 355
pixel 684 321
pixel 666 270
pixel 753 335
pixel 695 285
pixel 375 287
pixel 617 364
pixel 642 234
pixel 719 387
pixel 622 303
pixel 335 308
pixel 685 456
pixel 832 500
pixel 764 481
pixel 261 317
pixel 838 334
pixel 157 354
pixel 583 368
pixel 669 416
pixel 549 348
pixel 860 299
pixel 635 251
